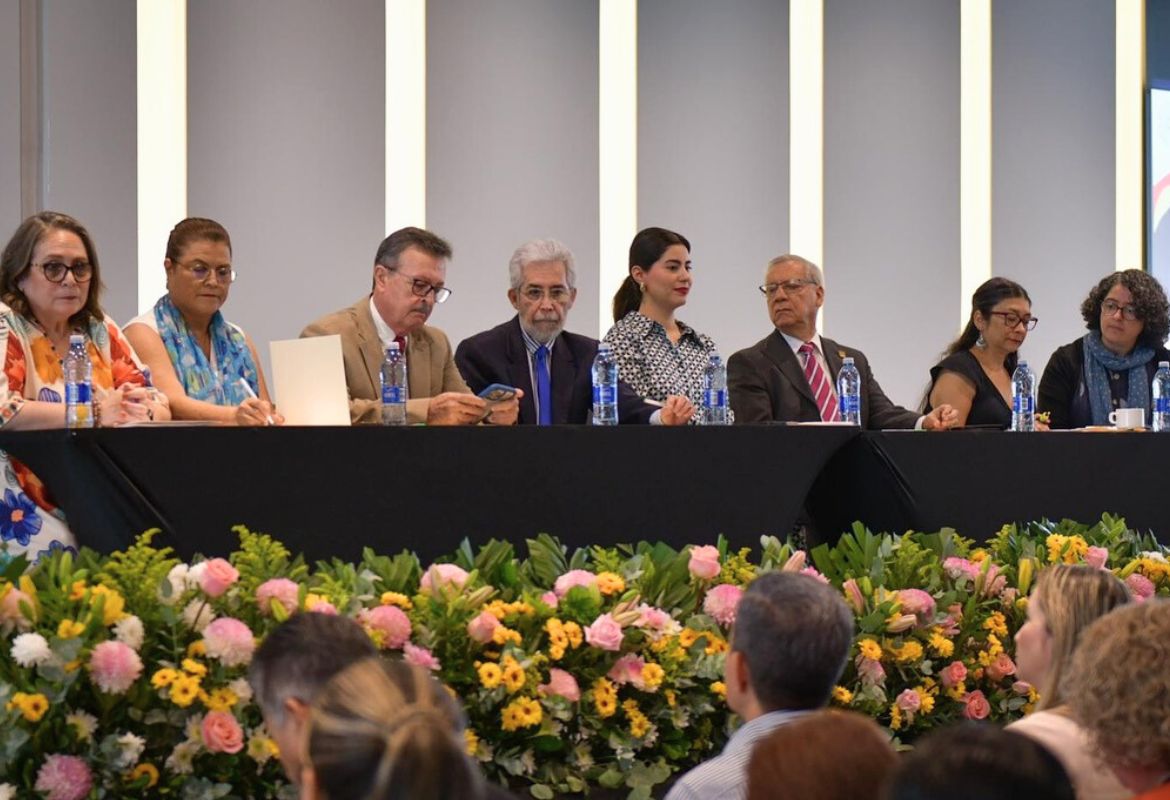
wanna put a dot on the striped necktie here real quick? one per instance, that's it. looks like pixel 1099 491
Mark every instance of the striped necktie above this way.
pixel 822 389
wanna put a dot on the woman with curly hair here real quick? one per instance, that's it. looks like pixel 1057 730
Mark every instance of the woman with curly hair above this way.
pixel 1112 365
pixel 1119 688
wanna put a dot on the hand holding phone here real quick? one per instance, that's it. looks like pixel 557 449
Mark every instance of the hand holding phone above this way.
pixel 498 393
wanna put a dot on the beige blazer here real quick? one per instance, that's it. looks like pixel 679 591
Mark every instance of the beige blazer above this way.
pixel 429 363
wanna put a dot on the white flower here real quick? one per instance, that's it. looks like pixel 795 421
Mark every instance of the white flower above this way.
pixel 7 791
pixel 194 729
pixel 31 650
pixel 194 575
pixel 84 724
pixel 242 689
pixel 181 760
pixel 129 632
pixel 198 615
pixel 130 749
pixel 177 578
pixel 1154 555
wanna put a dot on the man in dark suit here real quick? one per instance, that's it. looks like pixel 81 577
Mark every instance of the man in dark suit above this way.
pixel 790 375
pixel 533 352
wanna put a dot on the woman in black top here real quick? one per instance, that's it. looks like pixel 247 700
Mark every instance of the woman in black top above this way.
pixel 1112 365
pixel 975 377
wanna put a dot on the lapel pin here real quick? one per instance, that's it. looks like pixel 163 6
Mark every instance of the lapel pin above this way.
pixel 840 354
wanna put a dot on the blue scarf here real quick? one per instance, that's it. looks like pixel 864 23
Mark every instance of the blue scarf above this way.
pixel 1099 362
pixel 233 358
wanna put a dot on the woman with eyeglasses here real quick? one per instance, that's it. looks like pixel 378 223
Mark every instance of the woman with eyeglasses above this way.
pixel 50 286
pixel 207 366
pixel 975 377
pixel 1112 365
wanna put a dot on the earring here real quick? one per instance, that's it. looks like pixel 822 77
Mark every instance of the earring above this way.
pixel 642 288
pixel 981 342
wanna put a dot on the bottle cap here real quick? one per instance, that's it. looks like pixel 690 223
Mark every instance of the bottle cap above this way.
pixel 848 360
pixel 76 338
pixel 393 348
pixel 1164 364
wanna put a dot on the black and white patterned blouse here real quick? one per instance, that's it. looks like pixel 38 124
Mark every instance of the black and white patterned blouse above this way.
pixel 652 365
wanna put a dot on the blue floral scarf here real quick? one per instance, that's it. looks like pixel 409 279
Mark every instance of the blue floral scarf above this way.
pixel 233 358
pixel 1099 362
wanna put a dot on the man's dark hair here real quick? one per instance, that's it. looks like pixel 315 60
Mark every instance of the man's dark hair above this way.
pixel 394 245
pixel 301 655
pixel 795 633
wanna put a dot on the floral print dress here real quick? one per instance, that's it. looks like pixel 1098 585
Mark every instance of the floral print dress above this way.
pixel 30 521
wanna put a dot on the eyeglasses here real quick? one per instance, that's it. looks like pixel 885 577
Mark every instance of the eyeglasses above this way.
pixel 558 294
pixel 789 287
pixel 54 271
pixel 422 288
pixel 1110 308
pixel 201 272
pixel 1012 319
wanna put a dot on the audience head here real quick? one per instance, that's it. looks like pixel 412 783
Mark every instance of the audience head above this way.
pixel 543 287
pixel 410 271
pixel 975 761
pixel 659 272
pixel 1001 316
pixel 794 288
pixel 199 267
pixel 803 759
pixel 1119 690
pixel 1129 309
pixel 789 644
pixel 386 729
pixel 1066 600
pixel 49 271
pixel 291 666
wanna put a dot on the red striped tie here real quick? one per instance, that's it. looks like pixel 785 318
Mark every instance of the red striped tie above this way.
pixel 819 383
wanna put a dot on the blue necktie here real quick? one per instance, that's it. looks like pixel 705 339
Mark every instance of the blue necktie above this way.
pixel 543 386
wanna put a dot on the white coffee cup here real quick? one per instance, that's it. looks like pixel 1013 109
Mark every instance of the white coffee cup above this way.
pixel 1128 418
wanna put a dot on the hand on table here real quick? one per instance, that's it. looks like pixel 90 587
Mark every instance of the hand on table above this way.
pixel 254 411
pixel 120 406
pixel 456 408
pixel 940 419
pixel 677 410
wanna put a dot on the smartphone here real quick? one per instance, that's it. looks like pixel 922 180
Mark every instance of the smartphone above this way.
pixel 498 393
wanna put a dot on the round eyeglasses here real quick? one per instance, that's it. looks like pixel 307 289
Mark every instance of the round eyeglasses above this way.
pixel 54 271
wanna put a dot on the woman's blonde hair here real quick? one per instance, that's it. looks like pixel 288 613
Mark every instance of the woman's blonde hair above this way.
pixel 381 730
pixel 1071 597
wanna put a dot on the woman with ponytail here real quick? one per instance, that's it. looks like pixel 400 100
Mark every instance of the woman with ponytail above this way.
pixel 658 355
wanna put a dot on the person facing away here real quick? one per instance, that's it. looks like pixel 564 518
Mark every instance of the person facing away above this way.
pixel 410 278
pixel 198 359
pixel 1113 365
pixel 790 375
pixel 789 645
pixel 535 353
pixel 975 376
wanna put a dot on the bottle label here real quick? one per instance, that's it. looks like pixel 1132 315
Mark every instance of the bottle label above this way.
pixel 716 398
pixel 77 393
pixel 392 395
pixel 604 395
pixel 1162 405
pixel 850 404
pixel 1023 404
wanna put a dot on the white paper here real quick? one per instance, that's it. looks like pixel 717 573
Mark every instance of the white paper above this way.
pixel 308 379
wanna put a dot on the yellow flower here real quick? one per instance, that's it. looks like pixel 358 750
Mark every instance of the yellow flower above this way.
pixel 397 599
pixel 193 667
pixel 164 677
pixel 113 606
pixel 196 649
pixel 870 649
pixel 715 645
pixel 31 706
pixel 610 583
pixel 909 652
pixel 652 675
pixel 262 749
pixel 604 698
pixel 895 717
pixel 719 688
pixel 184 690
pixel 1069 549
pixel 573 631
pixel 77 591
pixel 513 674
pixel 842 695
pixel 978 555
pixel 502 635
pixel 997 624
pixel 688 637
pixel 221 699
pixel 471 740
pixel 497 608
pixel 149 770
pixel 941 645
pixel 490 675
pixel 639 724
pixel 994 646
pixel 523 712
pixel 671 700
pixel 957 692
pixel 69 628
pixel 925 698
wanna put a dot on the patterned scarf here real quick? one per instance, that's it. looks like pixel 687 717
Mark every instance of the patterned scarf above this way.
pixel 1099 362
pixel 233 359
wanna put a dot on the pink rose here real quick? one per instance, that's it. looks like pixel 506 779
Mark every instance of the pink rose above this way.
pixel 574 577
pixel 230 641
pixel 704 562
pixel 1001 667
pixel 853 595
pixel 605 633
pixel 221 733
pixel 64 778
pixel 628 669
pixel 420 657
pixel 918 603
pixel 909 701
pixel 953 674
pixel 390 621
pixel 871 672
pixel 1140 587
pixel 560 684
pixel 961 568
pixel 440 575
pixel 282 590
pixel 1097 557
pixel 550 599
pixel 721 603
pixel 217 576
pixel 1022 688
pixel 114 666
pixel 816 576
pixel 976 706
pixel 657 622
pixel 483 627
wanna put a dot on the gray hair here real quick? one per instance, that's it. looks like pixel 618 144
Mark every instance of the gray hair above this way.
pixel 812 270
pixel 536 251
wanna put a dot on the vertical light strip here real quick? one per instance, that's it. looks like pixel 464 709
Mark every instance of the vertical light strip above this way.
pixel 806 104
pixel 1130 53
pixel 974 150
pixel 406 113
pixel 162 136
pixel 617 144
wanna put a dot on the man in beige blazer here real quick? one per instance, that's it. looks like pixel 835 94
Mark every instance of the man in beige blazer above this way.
pixel 410 271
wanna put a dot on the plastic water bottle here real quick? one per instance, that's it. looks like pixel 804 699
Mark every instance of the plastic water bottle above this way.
pixel 605 382
pixel 849 392
pixel 715 405
pixel 1160 391
pixel 1023 398
pixel 395 389
pixel 78 384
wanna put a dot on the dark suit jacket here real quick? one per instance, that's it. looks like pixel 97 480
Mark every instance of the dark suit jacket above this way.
pixel 500 356
pixel 767 383
pixel 1062 389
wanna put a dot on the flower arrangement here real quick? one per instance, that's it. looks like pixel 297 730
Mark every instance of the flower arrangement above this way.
pixel 125 675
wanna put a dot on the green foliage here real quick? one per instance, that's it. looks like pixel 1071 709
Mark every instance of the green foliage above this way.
pixel 261 558
pixel 136 572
